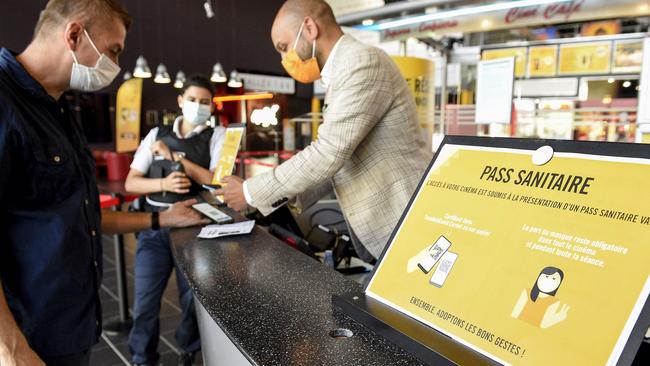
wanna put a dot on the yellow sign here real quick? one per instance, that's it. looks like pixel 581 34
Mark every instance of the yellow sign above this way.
pixel 526 264
pixel 585 58
pixel 127 124
pixel 229 152
pixel 542 61
pixel 518 53
pixel 420 76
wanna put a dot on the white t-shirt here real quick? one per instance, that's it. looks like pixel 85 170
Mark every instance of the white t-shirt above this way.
pixel 144 158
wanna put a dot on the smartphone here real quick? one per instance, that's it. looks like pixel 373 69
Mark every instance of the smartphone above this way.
pixel 211 188
pixel 434 254
pixel 440 275
pixel 213 213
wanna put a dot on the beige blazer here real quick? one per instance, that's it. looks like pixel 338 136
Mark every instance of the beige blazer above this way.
pixel 369 148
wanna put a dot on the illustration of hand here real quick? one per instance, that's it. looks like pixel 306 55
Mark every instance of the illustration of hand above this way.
pixel 554 316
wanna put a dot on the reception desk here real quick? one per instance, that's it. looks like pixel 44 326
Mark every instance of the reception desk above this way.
pixel 260 302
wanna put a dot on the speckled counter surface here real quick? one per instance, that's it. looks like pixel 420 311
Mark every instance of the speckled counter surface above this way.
pixel 274 303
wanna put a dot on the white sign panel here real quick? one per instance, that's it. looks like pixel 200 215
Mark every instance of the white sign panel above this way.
pixel 494 91
pixel 268 83
pixel 553 87
pixel 644 93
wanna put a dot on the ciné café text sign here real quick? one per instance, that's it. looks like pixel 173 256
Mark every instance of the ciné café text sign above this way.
pixel 571 11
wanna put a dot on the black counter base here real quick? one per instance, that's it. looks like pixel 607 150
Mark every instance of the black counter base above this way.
pixel 430 346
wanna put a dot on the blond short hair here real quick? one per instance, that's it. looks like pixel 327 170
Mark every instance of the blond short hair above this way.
pixel 57 12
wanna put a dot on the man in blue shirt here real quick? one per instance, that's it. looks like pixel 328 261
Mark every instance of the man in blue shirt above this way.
pixel 50 218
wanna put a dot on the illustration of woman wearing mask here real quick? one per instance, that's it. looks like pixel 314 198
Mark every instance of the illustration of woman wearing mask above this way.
pixel 539 306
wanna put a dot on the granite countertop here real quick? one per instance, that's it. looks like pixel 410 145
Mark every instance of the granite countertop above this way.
pixel 275 303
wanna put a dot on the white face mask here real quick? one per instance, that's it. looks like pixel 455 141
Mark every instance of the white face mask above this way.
pixel 196 113
pixel 90 79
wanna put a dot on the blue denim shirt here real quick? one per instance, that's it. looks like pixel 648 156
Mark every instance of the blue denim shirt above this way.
pixel 50 220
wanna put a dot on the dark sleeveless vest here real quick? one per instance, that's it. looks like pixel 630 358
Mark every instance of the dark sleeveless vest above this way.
pixel 196 149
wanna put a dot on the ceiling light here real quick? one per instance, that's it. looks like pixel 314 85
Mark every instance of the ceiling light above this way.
pixel 180 80
pixel 367 22
pixel 218 75
pixel 209 12
pixel 611 80
pixel 235 81
pixel 486 23
pixel 162 76
pixel 142 69
pixel 627 84
pixel 461 12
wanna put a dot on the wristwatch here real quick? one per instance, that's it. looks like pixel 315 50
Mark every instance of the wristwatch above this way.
pixel 178 156
pixel 155 220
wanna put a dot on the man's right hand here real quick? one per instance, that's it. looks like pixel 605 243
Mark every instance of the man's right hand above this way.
pixel 176 182
pixel 21 355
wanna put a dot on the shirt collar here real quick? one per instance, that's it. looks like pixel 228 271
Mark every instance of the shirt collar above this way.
pixel 326 73
pixel 17 72
pixel 177 129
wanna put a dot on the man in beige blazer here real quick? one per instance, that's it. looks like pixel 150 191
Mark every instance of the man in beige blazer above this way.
pixel 369 148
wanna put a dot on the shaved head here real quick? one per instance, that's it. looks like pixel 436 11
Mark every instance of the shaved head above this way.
pixel 297 10
pixel 319 24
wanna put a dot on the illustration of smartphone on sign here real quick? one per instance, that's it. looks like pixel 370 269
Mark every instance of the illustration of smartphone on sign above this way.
pixel 434 254
pixel 440 275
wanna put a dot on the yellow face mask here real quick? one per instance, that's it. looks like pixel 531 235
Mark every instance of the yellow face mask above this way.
pixel 304 71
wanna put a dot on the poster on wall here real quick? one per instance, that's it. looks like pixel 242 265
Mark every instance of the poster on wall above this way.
pixel 494 87
pixel 542 61
pixel 604 28
pixel 518 53
pixel 585 58
pixel 628 56
pixel 518 250
pixel 127 116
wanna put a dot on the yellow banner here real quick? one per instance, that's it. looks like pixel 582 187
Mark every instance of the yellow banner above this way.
pixel 229 152
pixel 518 53
pixel 527 264
pixel 542 61
pixel 127 124
pixel 585 58
pixel 420 76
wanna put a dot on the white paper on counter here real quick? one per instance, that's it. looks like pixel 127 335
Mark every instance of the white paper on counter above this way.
pixel 218 231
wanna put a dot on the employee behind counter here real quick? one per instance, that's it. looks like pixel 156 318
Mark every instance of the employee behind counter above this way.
pixel 170 165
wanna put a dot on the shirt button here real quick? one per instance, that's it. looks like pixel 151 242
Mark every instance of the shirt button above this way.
pixel 62 111
pixel 86 202
pixel 57 159
pixel 97 322
pixel 95 263
pixel 93 233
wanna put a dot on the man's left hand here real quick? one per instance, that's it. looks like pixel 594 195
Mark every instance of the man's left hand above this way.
pixel 181 214
pixel 233 193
